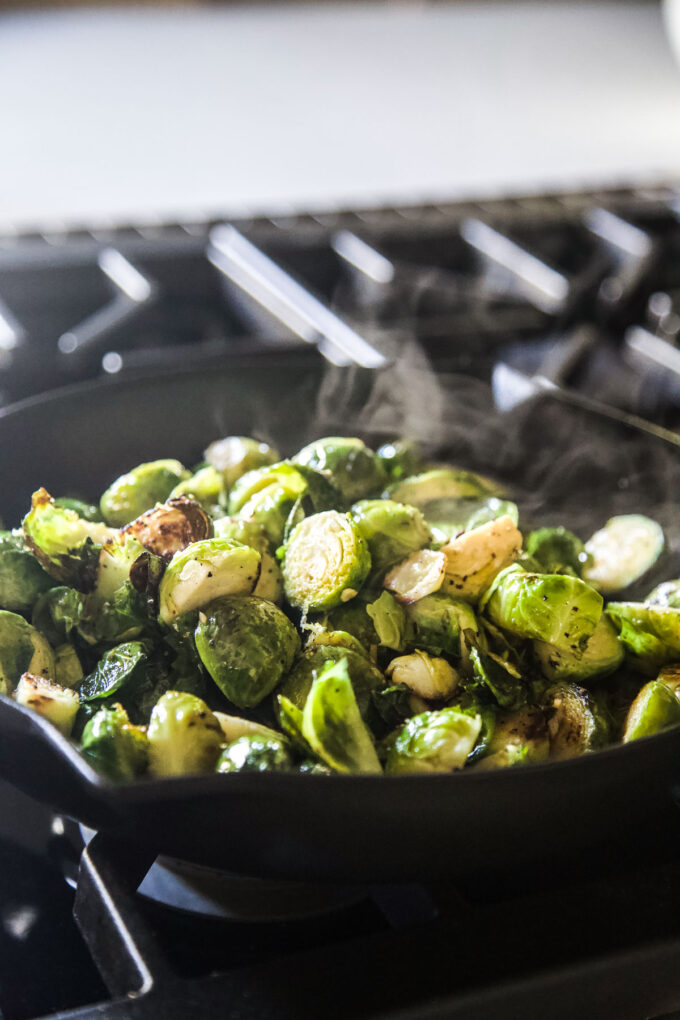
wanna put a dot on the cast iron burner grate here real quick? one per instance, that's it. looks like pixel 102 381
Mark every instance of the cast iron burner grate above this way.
pixel 581 289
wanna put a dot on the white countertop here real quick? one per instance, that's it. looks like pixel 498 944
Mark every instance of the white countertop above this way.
pixel 170 112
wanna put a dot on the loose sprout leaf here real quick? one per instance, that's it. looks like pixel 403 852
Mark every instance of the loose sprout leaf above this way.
pixel 508 690
pixel 291 719
pixel 622 551
pixel 390 622
pixel 333 726
pixel 115 669
pixel 389 708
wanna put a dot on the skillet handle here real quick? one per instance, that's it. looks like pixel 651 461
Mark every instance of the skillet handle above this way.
pixel 125 952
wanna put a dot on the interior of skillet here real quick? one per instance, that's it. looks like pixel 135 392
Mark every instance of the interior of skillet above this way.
pixel 562 465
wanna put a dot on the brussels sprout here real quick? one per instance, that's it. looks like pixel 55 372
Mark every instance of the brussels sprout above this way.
pixel 233 456
pixel 255 753
pixel 390 622
pixel 64 544
pixel 354 618
pixel 57 704
pixel 184 736
pixel 280 496
pixel 474 558
pixel 577 721
pixel 205 571
pixel 247 645
pixel 291 720
pixel 205 486
pixel 391 530
pixel 23 649
pixel 438 622
pixel 356 471
pixel 449 517
pixel 500 678
pixel 234 726
pixel 114 746
pixel 650 632
pixel 400 459
pixel 139 490
pixel 270 582
pixel 22 579
pixel 622 551
pixel 118 668
pixel 428 677
pixel 68 671
pixel 440 483
pixel 56 614
pixel 117 559
pixel 171 527
pixel 325 563
pixel 654 708
pixel 519 738
pixel 434 742
pixel 391 707
pixel 557 551
pixel 666 594
pixel 120 618
pixel 556 608
pixel 87 511
pixel 336 639
pixel 602 654
pixel 418 576
pixel 363 674
pixel 333 726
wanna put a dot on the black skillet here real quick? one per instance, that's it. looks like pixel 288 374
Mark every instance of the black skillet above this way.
pixel 565 464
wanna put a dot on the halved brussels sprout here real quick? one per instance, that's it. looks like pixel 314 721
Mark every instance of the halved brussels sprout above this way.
pixel 63 543
pixel 364 675
pixel 650 632
pixel 391 530
pixel 355 469
pixel 255 753
pixel 437 484
pixel 117 558
pixel 474 558
pixel 428 677
pixel 557 551
pixel 577 721
pixel 418 576
pixel 280 496
pixel 139 490
pixel 449 517
pixel 205 571
pixel 401 459
pixel 22 579
pixel 23 649
pixel 233 456
pixel 654 708
pixel 68 671
pixel 247 645
pixel 438 621
pixel 434 742
pixel 326 561
pixel 390 622
pixel 519 738
pixel 665 594
pixel 184 736
pixel 602 654
pixel 171 527
pixel 556 608
pixel 622 551
pixel 58 705
pixel 113 746
pixel 332 723
pixel 205 486
pixel 270 582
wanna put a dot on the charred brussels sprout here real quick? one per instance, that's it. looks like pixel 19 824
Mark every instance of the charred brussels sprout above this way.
pixel 23 649
pixel 255 753
pixel 392 531
pixel 418 576
pixel 655 708
pixel 577 720
pixel 139 490
pixel 171 527
pixel 184 736
pixel 205 571
pixel 434 742
pixel 439 622
pixel 364 676
pixel 651 633
pixel 326 561
pixel 233 456
pixel 113 746
pixel 356 470
pixel 22 579
pixel 602 654
pixel 57 704
pixel 519 738
pixel 622 551
pixel 557 551
pixel 332 723
pixel 556 608
pixel 247 645
pixel 428 677
pixel 270 582
pixel 205 486
pixel 66 545
pixel 401 458
pixel 474 558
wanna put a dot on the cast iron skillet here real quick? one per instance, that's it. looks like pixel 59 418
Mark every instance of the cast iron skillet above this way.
pixel 568 466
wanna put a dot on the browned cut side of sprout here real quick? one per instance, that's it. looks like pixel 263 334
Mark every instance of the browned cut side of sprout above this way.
pixel 474 558
pixel 171 527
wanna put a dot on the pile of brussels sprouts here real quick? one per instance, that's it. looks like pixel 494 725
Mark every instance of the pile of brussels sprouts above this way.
pixel 341 611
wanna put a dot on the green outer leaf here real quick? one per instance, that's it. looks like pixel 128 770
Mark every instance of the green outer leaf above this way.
pixel 114 670
pixel 650 633
pixel 22 579
pixel 333 726
pixel 557 551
